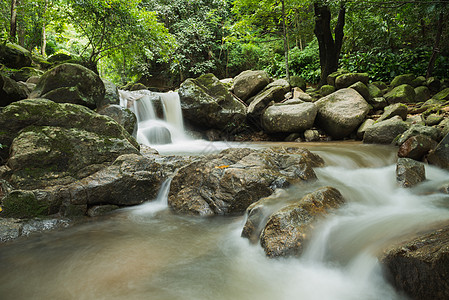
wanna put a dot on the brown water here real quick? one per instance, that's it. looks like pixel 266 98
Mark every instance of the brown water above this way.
pixel 147 252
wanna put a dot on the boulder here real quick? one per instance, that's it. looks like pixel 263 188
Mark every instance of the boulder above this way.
pixel 348 79
pixel 419 267
pixel 156 135
pixel 14 56
pixel 397 109
pixel 25 73
pixel 422 94
pixel 111 95
pixel 228 182
pixel 442 96
pixel 374 91
pixel 386 131
pixel 299 82
pixel 68 119
pixel 10 91
pixel 434 84
pixel 331 78
pixel 280 82
pixel 440 155
pixel 366 124
pixel 381 85
pixel 206 102
pixel 249 83
pixel 340 113
pixel 418 129
pixel 402 79
pixel 362 89
pixel 289 117
pixel 409 172
pixel 418 81
pixel 434 119
pixel 401 94
pixel 378 103
pixel 416 147
pixel 122 116
pixel 299 94
pixel 312 135
pixel 287 230
pixel 326 90
pixel 59 57
pixel 258 104
pixel 71 83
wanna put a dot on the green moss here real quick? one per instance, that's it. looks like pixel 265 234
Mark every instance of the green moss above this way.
pixel 23 204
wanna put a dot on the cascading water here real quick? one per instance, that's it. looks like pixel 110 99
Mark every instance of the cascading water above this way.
pixel 147 252
pixel 160 123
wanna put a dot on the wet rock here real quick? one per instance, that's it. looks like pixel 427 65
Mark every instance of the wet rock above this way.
pixel 287 230
pixel 206 102
pixel 417 129
pixel 419 267
pixel 401 94
pixel 111 95
pixel 348 79
pixel 440 155
pixel 10 91
pixel 402 79
pixel 257 215
pixel 10 229
pixel 249 83
pixel 156 135
pixel 385 132
pixel 416 147
pixel 71 83
pixel 289 117
pixel 100 210
pixel 409 172
pixel 340 113
pixel 122 116
pixel 14 56
pixel 228 182
pixel 397 109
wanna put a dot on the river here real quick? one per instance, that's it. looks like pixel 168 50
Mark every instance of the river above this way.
pixel 147 252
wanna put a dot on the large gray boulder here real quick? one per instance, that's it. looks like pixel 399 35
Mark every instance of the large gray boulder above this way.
pixel 49 143
pixel 386 131
pixel 206 102
pixel 340 113
pixel 228 182
pixel 440 155
pixel 287 230
pixel 14 56
pixel 249 83
pixel 401 94
pixel 289 117
pixel 71 83
pixel 419 266
pixel 10 91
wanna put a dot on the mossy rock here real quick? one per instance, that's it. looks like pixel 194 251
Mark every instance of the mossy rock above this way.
pixel 26 72
pixel 59 57
pixel 362 89
pixel 402 79
pixel 402 94
pixel 348 79
pixel 326 90
pixel 14 56
pixel 418 81
pixel 331 78
pixel 23 205
pixel 10 91
pixel 434 84
pixel 297 81
pixel 422 94
pixel 374 91
pixel 442 96
pixel 71 83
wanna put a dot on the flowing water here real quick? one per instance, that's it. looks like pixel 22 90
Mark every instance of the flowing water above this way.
pixel 147 252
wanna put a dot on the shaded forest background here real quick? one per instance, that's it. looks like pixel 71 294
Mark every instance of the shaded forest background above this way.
pixel 163 42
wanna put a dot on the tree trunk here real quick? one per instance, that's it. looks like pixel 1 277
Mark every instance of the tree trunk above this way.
pixel 13 22
pixel 329 49
pixel 284 33
pixel 436 45
pixel 44 33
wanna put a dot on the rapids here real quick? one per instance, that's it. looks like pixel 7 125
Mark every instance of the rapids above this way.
pixel 147 252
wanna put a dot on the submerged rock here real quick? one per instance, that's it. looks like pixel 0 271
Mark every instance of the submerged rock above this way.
pixel 340 113
pixel 227 183
pixel 287 230
pixel 416 147
pixel 419 267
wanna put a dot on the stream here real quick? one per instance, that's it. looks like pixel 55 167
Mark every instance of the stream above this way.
pixel 148 252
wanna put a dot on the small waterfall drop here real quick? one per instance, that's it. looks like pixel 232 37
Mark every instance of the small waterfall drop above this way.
pixel 158 115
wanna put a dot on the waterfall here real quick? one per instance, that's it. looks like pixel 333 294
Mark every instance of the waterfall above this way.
pixel 158 115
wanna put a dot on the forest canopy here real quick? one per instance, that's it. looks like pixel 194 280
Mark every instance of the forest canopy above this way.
pixel 171 40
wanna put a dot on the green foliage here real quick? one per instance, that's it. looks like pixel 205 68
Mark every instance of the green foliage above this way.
pixel 385 64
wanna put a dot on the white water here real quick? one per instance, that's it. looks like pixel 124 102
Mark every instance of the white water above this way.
pixel 152 130
pixel 149 253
